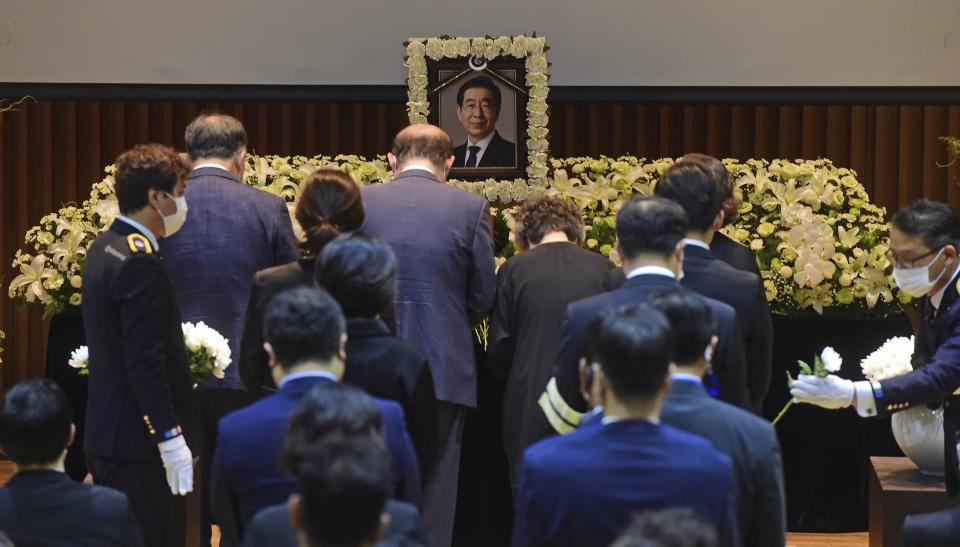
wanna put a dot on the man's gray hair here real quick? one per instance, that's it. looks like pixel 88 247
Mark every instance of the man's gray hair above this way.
pixel 212 135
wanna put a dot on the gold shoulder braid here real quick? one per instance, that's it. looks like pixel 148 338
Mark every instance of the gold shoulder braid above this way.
pixel 139 244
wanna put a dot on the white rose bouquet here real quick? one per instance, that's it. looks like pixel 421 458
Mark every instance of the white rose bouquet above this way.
pixel 207 352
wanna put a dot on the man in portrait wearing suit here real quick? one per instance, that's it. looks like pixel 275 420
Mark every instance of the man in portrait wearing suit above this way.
pixel 924 239
pixel 40 505
pixel 341 415
pixel 650 234
pixel 478 108
pixel 233 231
pixel 584 488
pixel 750 441
pixel 695 188
pixel 443 240
pixel 305 334
pixel 141 432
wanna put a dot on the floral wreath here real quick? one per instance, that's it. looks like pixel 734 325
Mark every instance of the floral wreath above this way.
pixel 530 48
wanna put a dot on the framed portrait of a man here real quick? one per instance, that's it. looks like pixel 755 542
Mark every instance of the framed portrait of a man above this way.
pixel 482 106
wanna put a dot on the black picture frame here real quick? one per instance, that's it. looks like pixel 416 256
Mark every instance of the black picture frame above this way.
pixel 445 77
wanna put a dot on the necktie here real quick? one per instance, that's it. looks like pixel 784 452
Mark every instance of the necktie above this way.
pixel 472 157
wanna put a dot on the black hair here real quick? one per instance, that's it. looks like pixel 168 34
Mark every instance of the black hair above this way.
pixel 303 324
pixel 695 188
pixel 344 485
pixel 936 222
pixel 675 527
pixel 360 272
pixel 692 321
pixel 214 135
pixel 650 225
pixel 330 203
pixel 329 408
pixel 143 167
pixel 634 346
pixel 480 81
pixel 35 420
pixel 540 215
pixel 731 203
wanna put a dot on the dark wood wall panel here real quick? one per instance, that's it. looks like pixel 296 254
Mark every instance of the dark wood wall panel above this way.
pixel 52 151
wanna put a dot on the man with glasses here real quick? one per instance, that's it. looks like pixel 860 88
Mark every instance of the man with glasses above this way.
pixel 924 239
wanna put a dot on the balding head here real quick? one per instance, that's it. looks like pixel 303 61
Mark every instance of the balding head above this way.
pixel 422 144
pixel 215 136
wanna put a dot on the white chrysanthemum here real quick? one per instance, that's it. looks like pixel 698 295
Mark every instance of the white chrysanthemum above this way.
pixel 79 357
pixel 889 360
pixel 831 359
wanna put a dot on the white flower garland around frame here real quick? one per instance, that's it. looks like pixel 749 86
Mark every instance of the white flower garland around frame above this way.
pixel 530 48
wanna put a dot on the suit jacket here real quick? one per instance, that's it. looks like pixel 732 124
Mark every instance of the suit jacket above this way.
pixel 388 367
pixel 735 254
pixel 939 529
pixel 714 278
pixel 232 230
pixel 751 443
pixel 499 153
pixel 443 241
pixel 562 402
pixel 936 375
pixel 246 474
pixel 47 508
pixel 533 291
pixel 271 527
pixel 584 488
pixel 140 389
pixel 253 361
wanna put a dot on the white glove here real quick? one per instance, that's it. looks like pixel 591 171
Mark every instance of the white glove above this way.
pixel 830 391
pixel 178 461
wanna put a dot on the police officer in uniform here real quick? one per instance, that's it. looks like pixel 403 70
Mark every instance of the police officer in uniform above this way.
pixel 924 240
pixel 140 416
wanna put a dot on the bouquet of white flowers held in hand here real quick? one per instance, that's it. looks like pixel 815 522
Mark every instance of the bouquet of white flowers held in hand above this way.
pixel 889 360
pixel 207 352
pixel 827 362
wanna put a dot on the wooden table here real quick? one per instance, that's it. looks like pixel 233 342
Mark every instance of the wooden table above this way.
pixel 898 489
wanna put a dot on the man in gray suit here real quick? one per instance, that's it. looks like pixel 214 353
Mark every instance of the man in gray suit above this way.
pixel 443 241
pixel 233 231
pixel 750 441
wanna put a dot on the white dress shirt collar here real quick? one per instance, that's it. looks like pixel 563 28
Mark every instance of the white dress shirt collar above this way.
pixel 416 167
pixel 937 297
pixel 684 377
pixel 307 374
pixel 696 243
pixel 143 230
pixel 202 165
pixel 648 270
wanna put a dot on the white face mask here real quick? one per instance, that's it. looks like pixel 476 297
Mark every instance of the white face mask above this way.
pixel 916 281
pixel 175 221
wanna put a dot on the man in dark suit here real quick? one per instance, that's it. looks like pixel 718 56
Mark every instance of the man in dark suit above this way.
pixel 478 108
pixel 750 441
pixel 233 231
pixel 443 241
pixel 695 189
pixel 305 337
pixel 722 246
pixel 924 239
pixel 40 505
pixel 583 488
pixel 361 274
pixel 141 433
pixel 336 412
pixel 650 241
pixel 533 291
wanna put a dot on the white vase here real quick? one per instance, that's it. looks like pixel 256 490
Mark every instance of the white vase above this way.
pixel 919 432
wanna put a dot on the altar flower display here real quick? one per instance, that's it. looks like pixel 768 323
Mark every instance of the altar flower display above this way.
pixel 889 360
pixel 207 352
pixel 819 243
